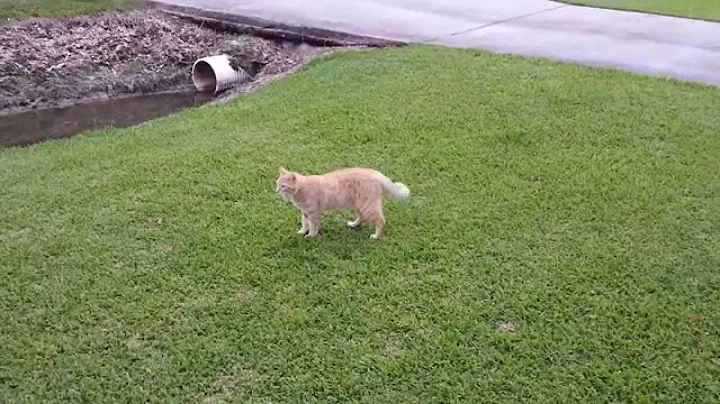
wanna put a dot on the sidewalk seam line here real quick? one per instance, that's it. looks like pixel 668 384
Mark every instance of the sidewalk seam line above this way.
pixel 520 17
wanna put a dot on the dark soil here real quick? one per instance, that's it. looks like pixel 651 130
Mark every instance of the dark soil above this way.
pixel 45 63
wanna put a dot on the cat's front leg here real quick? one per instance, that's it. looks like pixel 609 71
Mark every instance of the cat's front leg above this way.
pixel 304 227
pixel 313 221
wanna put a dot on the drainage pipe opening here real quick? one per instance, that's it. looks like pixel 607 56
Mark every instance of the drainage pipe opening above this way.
pixel 214 74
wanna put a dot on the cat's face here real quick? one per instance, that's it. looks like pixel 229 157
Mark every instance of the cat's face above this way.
pixel 285 184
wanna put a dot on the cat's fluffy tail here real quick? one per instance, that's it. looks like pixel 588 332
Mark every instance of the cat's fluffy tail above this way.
pixel 395 190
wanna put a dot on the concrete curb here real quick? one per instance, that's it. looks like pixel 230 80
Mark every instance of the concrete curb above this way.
pixel 269 29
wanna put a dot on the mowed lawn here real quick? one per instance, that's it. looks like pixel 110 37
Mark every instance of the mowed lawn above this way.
pixel 580 205
pixel 21 9
pixel 703 9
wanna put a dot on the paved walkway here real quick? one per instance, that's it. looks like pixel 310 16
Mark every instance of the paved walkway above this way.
pixel 675 47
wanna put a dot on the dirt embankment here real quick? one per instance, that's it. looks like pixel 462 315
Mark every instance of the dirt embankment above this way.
pixel 52 62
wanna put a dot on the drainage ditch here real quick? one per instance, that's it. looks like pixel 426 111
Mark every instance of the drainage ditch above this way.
pixel 62 77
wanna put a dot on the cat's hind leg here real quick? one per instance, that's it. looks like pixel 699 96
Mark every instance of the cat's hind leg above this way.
pixel 375 215
pixel 354 224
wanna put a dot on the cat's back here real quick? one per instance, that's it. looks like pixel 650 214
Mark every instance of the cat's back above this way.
pixel 355 173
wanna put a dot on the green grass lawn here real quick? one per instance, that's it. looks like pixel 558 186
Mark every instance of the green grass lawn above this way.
pixel 21 9
pixel 703 9
pixel 582 205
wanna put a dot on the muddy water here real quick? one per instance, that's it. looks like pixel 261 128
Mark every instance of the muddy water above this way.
pixel 31 127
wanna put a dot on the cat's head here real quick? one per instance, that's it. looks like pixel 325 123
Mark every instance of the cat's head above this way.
pixel 286 183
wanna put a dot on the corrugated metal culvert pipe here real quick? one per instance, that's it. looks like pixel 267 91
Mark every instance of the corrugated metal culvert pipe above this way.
pixel 215 74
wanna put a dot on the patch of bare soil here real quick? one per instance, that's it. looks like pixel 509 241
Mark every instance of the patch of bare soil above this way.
pixel 53 62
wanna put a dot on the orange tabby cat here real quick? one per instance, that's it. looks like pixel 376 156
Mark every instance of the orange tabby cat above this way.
pixel 360 189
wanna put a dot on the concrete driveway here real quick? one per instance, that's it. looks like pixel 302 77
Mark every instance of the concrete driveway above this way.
pixel 650 44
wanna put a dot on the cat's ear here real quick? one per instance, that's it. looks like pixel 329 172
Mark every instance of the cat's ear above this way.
pixel 289 174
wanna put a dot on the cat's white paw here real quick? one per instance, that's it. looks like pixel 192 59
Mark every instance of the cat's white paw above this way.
pixel 302 231
pixel 374 236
